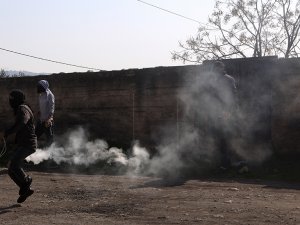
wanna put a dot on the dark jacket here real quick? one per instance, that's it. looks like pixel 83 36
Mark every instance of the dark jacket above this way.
pixel 217 100
pixel 24 128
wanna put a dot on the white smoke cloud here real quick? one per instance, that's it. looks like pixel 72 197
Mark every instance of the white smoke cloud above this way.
pixel 139 161
pixel 212 129
pixel 39 156
pixel 79 151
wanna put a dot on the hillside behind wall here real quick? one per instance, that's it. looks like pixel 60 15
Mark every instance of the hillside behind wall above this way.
pixel 123 106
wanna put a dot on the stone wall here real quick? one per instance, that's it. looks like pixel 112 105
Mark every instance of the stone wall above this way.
pixel 123 106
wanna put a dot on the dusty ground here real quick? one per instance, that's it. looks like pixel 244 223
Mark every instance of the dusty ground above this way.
pixel 101 199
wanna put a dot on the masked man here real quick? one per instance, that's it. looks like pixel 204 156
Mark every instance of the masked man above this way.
pixel 225 128
pixel 46 111
pixel 217 99
pixel 26 142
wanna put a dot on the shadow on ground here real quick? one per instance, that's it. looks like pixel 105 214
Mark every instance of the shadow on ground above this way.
pixel 8 208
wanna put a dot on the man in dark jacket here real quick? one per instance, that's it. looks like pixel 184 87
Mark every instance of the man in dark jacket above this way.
pixel 218 104
pixel 26 142
pixel 225 129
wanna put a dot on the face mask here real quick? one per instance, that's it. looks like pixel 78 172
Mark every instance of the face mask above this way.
pixel 12 103
pixel 16 98
pixel 40 89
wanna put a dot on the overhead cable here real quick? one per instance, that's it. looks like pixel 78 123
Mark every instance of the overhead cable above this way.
pixel 48 60
pixel 174 13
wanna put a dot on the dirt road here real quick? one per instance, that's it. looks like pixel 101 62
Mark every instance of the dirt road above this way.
pixel 101 199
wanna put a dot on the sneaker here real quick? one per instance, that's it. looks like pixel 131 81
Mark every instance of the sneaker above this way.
pixel 24 196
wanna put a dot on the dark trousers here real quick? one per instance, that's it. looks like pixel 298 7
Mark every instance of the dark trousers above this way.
pixel 42 129
pixel 223 145
pixel 222 138
pixel 15 170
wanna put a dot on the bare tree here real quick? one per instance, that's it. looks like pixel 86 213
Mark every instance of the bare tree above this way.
pixel 289 19
pixel 19 74
pixel 244 28
pixel 3 73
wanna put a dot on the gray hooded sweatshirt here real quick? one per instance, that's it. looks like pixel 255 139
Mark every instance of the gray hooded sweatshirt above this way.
pixel 46 102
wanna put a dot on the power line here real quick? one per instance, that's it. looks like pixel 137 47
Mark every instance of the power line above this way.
pixel 185 17
pixel 174 13
pixel 49 60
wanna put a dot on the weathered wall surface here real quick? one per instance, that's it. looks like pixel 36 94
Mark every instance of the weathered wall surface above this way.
pixel 127 105
pixel 286 106
pixel 118 106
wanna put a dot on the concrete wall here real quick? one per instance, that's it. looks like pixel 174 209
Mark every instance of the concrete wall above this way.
pixel 127 105
pixel 118 106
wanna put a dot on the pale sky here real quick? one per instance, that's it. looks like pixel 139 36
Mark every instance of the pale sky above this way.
pixel 104 34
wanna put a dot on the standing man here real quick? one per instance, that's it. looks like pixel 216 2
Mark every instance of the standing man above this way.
pixel 46 111
pixel 220 94
pixel 26 143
